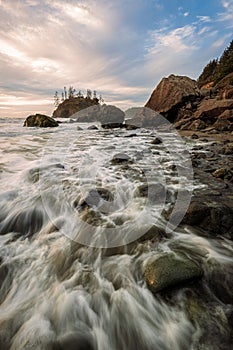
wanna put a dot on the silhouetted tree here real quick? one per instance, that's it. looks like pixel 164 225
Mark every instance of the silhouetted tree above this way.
pixel 65 92
pixel 56 99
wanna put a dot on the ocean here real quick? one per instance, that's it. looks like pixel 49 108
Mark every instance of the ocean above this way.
pixel 76 207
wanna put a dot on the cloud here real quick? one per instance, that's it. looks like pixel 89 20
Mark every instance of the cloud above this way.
pixel 119 48
pixel 204 18
pixel 227 14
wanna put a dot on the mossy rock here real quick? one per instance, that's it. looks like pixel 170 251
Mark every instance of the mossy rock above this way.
pixel 40 120
pixel 169 269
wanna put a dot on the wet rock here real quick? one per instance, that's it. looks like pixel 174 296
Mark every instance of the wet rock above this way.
pixel 220 280
pixel 120 158
pixel 94 198
pixel 156 141
pixel 214 217
pixel 74 341
pixel 168 270
pixel 130 126
pixel 194 137
pixel 131 135
pixel 220 173
pixel 92 127
pixel 155 233
pixel 27 222
pixel 111 117
pixel 196 213
pixel 79 128
pixel 40 120
pixel 228 149
pixel 156 193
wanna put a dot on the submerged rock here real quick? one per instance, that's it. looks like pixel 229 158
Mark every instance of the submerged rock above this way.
pixel 40 120
pixel 156 141
pixel 94 197
pixel 92 127
pixel 169 269
pixel 120 158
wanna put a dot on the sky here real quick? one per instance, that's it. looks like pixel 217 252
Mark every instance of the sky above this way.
pixel 121 48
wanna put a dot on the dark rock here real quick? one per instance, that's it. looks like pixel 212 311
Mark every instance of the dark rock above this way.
pixel 92 127
pixel 196 212
pixel 79 128
pixel 74 341
pixel 156 141
pixel 168 270
pixel 130 126
pixel 156 193
pixel 215 218
pixel 120 158
pixel 40 120
pixel 131 135
pixel 228 149
pixel 220 279
pixel 94 198
pixel 194 137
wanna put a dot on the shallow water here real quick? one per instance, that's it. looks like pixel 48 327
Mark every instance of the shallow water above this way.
pixel 72 278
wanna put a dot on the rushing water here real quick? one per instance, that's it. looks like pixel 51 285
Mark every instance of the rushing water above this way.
pixel 64 283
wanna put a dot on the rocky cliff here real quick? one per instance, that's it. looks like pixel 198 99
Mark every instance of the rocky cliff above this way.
pixel 73 105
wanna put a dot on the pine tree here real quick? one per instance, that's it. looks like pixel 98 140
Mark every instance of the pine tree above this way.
pixel 207 74
pixel 71 92
pixel 56 99
pixel 89 94
pixel 65 92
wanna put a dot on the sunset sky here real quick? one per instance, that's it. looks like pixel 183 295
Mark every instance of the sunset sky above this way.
pixel 120 48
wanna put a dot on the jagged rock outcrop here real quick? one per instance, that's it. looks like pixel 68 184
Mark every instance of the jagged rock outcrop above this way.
pixel 40 120
pixel 73 105
pixel 210 112
pixel 224 87
pixel 171 94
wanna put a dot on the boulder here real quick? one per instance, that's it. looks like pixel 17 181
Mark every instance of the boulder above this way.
pixel 40 120
pixel 111 117
pixel 88 115
pixel 145 118
pixel 170 269
pixel 215 218
pixel 171 94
